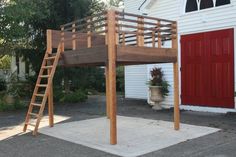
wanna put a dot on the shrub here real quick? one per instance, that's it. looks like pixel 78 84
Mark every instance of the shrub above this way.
pixel 71 97
pixel 74 97
pixel 11 107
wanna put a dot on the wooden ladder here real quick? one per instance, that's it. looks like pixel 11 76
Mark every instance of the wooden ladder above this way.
pixel 48 66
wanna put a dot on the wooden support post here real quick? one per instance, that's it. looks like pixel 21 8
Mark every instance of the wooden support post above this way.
pixel 112 74
pixel 107 92
pixel 107 81
pixel 74 37
pixel 49 41
pixel 140 31
pixel 50 94
pixel 159 34
pixel 50 104
pixel 176 82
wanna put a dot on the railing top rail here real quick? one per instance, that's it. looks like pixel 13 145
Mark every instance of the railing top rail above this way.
pixel 143 16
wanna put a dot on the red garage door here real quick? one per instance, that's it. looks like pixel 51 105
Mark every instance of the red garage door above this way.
pixel 207 71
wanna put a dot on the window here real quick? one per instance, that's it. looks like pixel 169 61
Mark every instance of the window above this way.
pixel 206 4
pixel 222 2
pixel 191 6
pixel 194 5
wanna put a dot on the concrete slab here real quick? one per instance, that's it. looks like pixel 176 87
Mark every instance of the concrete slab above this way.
pixel 8 132
pixel 136 136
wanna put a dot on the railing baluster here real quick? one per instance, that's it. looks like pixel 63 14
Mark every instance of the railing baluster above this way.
pixel 140 31
pixel 62 39
pixel 89 38
pixel 159 33
pixel 73 37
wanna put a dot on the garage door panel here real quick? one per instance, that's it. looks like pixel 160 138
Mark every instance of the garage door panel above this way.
pixel 207 76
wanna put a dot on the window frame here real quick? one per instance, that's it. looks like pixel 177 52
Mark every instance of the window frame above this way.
pixel 206 9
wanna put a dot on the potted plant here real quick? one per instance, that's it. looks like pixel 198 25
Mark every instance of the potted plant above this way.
pixel 158 87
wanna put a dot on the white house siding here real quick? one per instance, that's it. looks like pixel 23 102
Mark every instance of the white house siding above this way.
pixel 135 76
pixel 221 17
pixel 135 81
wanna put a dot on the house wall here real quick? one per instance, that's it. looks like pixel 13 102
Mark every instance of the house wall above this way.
pixel 22 72
pixel 135 76
pixel 222 17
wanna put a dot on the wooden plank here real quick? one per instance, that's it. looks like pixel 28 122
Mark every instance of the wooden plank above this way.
pixel 89 38
pixel 79 38
pixel 176 85
pixel 49 41
pixel 73 38
pixel 50 103
pixel 83 56
pixel 140 36
pixel 112 74
pixel 146 54
pixel 107 92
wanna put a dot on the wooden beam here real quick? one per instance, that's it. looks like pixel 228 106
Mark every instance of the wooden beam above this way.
pixel 83 56
pixel 176 84
pixel 49 41
pixel 107 82
pixel 112 74
pixel 140 36
pixel 107 92
pixel 50 106
pixel 146 54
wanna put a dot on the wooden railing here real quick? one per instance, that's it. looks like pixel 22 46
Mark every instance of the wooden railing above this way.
pixel 131 29
pixel 143 30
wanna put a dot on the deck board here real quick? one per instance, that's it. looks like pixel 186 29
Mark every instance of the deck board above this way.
pixel 85 56
pixel 138 55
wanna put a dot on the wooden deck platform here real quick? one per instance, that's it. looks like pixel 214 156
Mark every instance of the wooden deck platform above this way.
pixel 113 38
pixel 126 55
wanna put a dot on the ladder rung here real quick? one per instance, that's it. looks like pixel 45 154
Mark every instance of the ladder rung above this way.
pixel 35 104
pixel 49 58
pixel 34 114
pixel 44 76
pixel 39 95
pixel 47 67
pixel 30 124
pixel 41 85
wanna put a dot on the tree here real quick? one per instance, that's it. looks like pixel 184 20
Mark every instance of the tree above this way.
pixel 5 62
pixel 115 3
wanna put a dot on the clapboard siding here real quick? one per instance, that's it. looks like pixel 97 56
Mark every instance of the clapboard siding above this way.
pixel 136 82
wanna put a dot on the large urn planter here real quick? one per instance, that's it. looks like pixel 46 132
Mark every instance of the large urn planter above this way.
pixel 158 88
pixel 156 97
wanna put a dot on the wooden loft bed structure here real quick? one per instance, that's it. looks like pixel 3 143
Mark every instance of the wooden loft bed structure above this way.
pixel 107 39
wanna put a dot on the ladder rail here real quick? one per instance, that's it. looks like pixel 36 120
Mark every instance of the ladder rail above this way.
pixel 33 95
pixel 46 94
pixel 47 89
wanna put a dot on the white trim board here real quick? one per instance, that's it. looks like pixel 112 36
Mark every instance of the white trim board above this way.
pixel 206 109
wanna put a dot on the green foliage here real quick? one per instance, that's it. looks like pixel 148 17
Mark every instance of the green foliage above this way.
pixel 3 85
pixel 80 78
pixel 120 82
pixel 11 107
pixel 74 97
pixel 70 97
pixel 157 79
pixel 5 62
pixel 115 3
